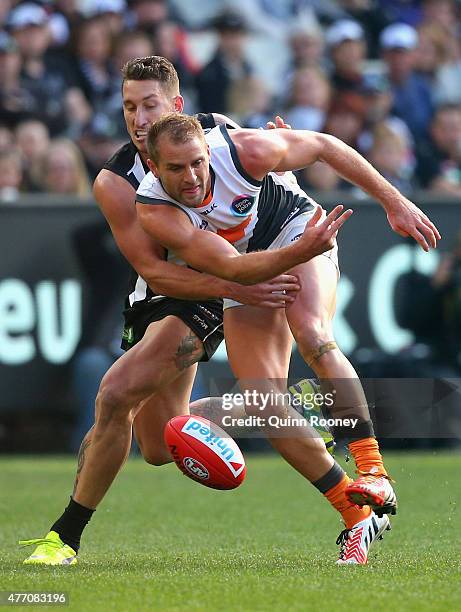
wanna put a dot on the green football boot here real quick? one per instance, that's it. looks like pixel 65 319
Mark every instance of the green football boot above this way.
pixel 50 550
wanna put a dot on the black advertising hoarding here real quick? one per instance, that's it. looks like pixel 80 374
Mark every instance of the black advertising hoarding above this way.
pixel 43 293
pixel 42 300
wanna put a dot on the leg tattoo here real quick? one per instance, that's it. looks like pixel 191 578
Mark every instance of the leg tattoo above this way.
pixel 81 457
pixel 321 350
pixel 189 351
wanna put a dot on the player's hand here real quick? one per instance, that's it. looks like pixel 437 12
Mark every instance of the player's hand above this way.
pixel 406 219
pixel 278 124
pixel 276 293
pixel 318 239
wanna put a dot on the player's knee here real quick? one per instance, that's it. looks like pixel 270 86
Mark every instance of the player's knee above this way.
pixel 156 458
pixel 312 334
pixel 112 401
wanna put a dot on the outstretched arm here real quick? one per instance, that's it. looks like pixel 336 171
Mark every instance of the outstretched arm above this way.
pixel 208 252
pixel 280 150
pixel 115 197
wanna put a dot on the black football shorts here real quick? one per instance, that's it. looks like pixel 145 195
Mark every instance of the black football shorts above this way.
pixel 205 319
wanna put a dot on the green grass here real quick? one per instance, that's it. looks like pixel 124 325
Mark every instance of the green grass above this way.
pixel 162 542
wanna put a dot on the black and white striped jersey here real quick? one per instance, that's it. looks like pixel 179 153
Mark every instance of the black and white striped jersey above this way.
pixel 127 163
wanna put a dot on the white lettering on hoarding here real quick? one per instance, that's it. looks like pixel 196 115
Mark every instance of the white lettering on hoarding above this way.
pixel 53 310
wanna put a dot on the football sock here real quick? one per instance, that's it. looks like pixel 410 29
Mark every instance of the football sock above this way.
pixel 333 485
pixel 351 513
pixel 367 457
pixel 71 523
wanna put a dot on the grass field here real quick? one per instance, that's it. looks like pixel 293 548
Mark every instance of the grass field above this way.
pixel 162 542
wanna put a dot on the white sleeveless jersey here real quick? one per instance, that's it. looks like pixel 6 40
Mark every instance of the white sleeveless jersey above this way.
pixel 246 212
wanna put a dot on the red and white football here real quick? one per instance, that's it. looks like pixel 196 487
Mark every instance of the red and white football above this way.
pixel 205 452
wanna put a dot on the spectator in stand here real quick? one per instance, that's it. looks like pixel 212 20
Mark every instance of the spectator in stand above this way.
pixel 126 47
pixel 444 13
pixel 346 43
pixel 10 175
pixel 63 19
pixel 372 17
pixel 98 142
pixel 254 109
pixel 226 66
pixel 33 141
pixel 276 19
pixel 309 100
pixel 146 15
pixel 130 45
pixel 45 75
pixel 111 13
pixel 5 8
pixel 319 177
pixel 344 123
pixel 96 74
pixel 378 101
pixel 171 42
pixel 6 138
pixel 439 163
pixel 447 16
pixel 389 154
pixel 432 52
pixel 63 170
pixel 16 102
pixel 412 94
pixel 306 42
pixel 447 86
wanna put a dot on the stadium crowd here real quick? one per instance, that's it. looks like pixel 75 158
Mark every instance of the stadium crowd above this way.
pixel 382 75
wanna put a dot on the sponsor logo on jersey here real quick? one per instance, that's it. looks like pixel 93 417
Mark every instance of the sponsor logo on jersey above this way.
pixel 203 224
pixel 209 210
pixel 242 204
pixel 297 237
pixel 293 213
pixel 231 455
pixel 195 468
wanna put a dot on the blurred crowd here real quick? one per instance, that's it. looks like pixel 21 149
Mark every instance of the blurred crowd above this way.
pixel 382 75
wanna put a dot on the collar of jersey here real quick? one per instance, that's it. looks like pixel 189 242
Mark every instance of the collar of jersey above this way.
pixel 209 196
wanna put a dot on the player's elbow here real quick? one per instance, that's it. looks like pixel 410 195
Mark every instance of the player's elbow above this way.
pixel 328 146
pixel 153 275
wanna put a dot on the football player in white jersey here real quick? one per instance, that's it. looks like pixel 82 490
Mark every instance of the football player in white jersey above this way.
pixel 180 159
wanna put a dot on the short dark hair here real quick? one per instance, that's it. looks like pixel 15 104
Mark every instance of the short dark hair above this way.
pixel 179 129
pixel 152 68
